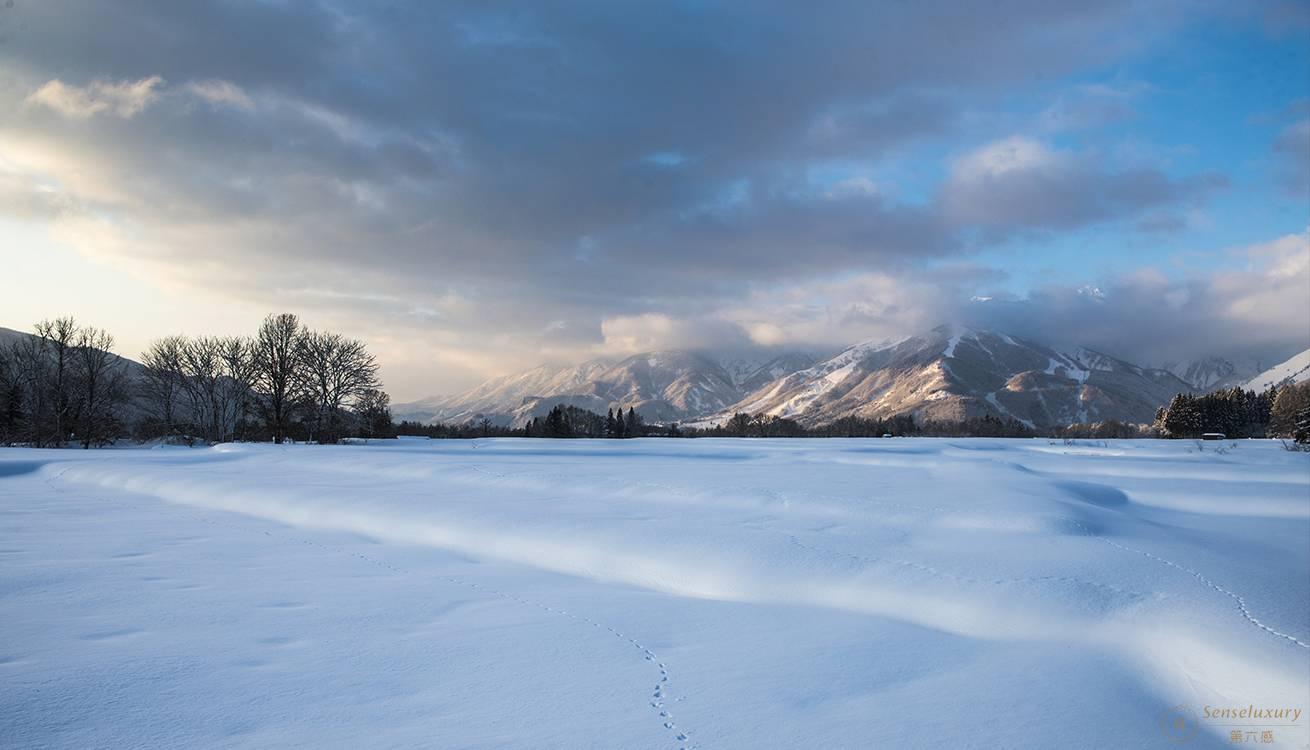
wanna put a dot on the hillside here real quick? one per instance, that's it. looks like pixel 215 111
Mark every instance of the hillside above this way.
pixel 662 386
pixel 1294 370
pixel 953 373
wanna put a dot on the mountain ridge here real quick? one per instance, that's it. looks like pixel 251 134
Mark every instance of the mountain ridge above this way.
pixel 663 385
pixel 956 372
pixel 949 373
pixel 1296 369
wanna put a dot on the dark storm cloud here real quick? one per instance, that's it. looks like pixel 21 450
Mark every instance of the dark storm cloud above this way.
pixel 486 136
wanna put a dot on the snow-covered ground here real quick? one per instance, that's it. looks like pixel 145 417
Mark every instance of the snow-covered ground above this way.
pixel 655 594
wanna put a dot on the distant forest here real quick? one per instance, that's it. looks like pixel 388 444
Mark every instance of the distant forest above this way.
pixel 63 385
pixel 565 421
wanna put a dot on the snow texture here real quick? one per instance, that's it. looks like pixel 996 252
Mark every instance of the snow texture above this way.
pixel 651 594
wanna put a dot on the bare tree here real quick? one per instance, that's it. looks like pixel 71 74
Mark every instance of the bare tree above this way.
pixel 164 386
pixel 276 360
pixel 238 359
pixel 98 386
pixel 337 370
pixel 30 360
pixel 373 408
pixel 207 381
pixel 60 337
pixel 11 399
pixel 202 368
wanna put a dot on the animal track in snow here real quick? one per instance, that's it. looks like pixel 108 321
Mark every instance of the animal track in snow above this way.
pixel 1237 598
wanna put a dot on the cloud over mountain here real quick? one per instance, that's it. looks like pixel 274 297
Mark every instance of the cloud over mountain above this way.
pixel 501 186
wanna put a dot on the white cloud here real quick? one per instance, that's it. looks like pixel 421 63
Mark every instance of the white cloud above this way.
pixel 1019 183
pixel 119 98
pixel 839 311
pixel 1148 317
pixel 1272 291
pixel 219 92
pixel 631 334
pixel 1015 154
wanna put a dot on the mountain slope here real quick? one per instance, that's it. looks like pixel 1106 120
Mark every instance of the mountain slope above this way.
pixel 133 372
pixel 9 338
pixel 1212 373
pixel 954 373
pixel 662 386
pixel 499 396
pixel 1294 370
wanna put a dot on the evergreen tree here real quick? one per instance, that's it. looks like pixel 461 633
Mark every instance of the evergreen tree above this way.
pixel 1182 418
pixel 554 426
pixel 1302 434
pixel 1288 403
pixel 739 425
pixel 632 426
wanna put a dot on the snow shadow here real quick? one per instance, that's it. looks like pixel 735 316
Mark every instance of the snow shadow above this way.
pixel 1100 495
pixel 18 468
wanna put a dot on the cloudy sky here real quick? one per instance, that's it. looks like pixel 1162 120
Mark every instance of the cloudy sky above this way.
pixel 475 188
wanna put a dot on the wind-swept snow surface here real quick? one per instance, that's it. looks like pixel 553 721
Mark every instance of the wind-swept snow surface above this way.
pixel 655 594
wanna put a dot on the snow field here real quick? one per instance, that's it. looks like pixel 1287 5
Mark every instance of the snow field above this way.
pixel 651 593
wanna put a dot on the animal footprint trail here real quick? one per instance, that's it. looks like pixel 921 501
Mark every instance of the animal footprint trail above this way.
pixel 659 694
pixel 1237 598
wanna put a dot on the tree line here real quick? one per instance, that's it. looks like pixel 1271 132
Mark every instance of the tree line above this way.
pixel 1281 412
pixel 562 421
pixel 61 384
pixel 742 424
pixel 64 384
pixel 567 421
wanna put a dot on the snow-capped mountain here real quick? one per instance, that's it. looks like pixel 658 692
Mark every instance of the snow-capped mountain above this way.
pixel 662 386
pixel 499 396
pixel 1212 373
pixel 1294 370
pixel 751 371
pixel 953 373
pixel 949 373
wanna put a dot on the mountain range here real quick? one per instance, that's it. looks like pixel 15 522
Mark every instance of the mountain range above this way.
pixel 954 373
pixel 948 373
pixel 1213 373
pixel 663 386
